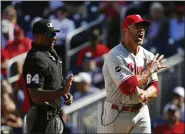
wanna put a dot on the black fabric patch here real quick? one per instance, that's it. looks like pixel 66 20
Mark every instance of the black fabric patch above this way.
pixel 118 69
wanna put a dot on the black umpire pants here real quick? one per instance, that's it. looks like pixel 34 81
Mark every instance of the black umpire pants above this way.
pixel 41 122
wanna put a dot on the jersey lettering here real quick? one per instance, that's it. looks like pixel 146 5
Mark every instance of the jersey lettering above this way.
pixel 35 78
pixel 132 67
pixel 28 78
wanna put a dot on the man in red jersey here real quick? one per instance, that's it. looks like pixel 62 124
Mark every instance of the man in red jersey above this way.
pixel 174 125
pixel 19 45
pixel 96 48
pixel 20 86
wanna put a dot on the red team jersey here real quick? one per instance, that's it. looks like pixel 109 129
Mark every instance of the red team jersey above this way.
pixel 26 103
pixel 177 129
pixel 99 51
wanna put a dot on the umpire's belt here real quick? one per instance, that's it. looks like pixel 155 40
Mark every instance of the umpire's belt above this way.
pixel 48 111
pixel 130 108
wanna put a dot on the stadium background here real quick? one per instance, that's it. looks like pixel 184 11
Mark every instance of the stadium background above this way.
pixel 86 23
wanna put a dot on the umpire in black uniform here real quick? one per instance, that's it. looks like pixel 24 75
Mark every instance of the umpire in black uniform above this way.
pixel 42 71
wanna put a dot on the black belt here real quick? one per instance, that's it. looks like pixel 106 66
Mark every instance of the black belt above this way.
pixel 49 111
pixel 44 115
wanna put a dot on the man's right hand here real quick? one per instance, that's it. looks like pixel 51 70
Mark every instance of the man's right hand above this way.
pixel 156 64
pixel 68 84
pixel 142 95
pixel 39 95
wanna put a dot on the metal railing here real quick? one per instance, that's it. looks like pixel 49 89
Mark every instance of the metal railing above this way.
pixel 85 114
pixel 68 50
pixel 11 61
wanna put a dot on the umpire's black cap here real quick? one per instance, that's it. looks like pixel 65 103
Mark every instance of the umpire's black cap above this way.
pixel 43 26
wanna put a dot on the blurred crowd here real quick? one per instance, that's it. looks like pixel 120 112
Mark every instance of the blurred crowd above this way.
pixel 167 30
pixel 165 35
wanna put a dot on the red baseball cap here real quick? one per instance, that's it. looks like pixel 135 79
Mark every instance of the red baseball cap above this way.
pixel 133 19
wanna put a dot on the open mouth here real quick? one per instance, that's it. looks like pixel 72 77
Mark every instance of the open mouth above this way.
pixel 140 36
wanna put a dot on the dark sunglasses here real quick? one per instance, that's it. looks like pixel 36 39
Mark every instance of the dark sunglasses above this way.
pixel 51 35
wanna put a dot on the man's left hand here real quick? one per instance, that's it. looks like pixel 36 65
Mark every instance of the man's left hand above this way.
pixel 68 99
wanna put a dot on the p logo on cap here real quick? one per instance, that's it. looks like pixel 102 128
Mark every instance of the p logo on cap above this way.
pixel 133 19
pixel 138 16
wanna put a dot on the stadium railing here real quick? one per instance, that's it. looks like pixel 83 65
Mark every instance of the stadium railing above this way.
pixel 99 20
pixel 68 50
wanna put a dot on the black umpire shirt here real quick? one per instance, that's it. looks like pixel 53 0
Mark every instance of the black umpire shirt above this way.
pixel 43 69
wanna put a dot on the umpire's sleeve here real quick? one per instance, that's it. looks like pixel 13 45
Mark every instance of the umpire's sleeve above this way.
pixel 34 73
